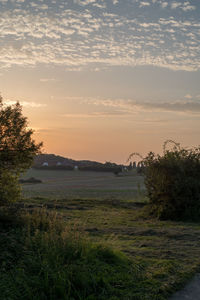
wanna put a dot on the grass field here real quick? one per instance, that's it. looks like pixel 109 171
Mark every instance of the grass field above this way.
pixel 102 208
pixel 77 184
pixel 167 253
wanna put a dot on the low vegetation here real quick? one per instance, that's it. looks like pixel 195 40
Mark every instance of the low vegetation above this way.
pixel 173 183
pixel 65 251
pixel 42 259
pixel 31 180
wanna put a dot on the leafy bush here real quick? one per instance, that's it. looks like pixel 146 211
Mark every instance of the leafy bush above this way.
pixel 173 183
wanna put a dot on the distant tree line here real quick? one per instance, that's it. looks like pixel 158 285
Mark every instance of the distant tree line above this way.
pixel 55 162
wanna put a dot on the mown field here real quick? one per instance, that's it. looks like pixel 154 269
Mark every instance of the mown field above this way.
pixel 107 210
pixel 77 184
pixel 166 253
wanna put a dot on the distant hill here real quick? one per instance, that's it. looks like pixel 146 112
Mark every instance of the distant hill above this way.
pixel 52 161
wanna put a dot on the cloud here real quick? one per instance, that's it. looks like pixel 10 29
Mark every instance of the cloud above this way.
pixel 94 115
pixel 144 3
pixel 77 36
pixel 188 7
pixel 185 6
pixel 47 79
pixel 188 96
pixel 178 107
pixel 174 5
pixel 164 4
pixel 129 106
pixel 25 104
pixel 84 2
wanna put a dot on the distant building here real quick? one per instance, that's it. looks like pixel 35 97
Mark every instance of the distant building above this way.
pixel 45 164
pixel 58 163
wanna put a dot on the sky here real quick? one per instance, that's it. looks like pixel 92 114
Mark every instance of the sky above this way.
pixel 100 79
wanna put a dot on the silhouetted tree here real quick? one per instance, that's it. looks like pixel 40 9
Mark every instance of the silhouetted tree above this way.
pixel 17 150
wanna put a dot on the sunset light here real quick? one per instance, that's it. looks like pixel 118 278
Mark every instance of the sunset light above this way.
pixel 99 79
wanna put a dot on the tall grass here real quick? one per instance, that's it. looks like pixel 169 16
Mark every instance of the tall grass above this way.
pixel 43 259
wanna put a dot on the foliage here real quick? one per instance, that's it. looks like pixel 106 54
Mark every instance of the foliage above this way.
pixel 50 261
pixel 17 149
pixel 9 187
pixel 173 183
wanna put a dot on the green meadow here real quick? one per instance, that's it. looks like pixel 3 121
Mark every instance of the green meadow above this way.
pixel 58 184
pixel 87 236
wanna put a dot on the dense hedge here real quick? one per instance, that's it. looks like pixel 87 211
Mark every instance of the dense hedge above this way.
pixel 173 183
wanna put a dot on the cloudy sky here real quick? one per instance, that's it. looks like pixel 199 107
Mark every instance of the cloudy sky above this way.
pixel 99 79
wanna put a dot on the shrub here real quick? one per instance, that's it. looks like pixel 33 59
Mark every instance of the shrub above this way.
pixel 173 183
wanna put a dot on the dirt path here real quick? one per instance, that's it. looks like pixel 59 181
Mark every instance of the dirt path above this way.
pixel 190 292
